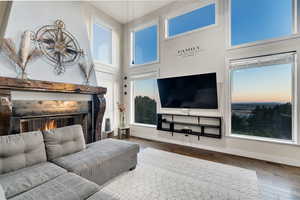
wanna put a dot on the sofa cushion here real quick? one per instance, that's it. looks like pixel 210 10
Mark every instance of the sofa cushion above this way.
pixel 115 145
pixel 21 150
pixel 65 187
pixel 101 160
pixel 2 195
pixel 101 195
pixel 25 179
pixel 63 141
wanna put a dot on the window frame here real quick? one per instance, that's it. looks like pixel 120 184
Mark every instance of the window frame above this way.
pixel 144 76
pixel 132 43
pixel 295 27
pixel 105 26
pixel 186 10
pixel 295 137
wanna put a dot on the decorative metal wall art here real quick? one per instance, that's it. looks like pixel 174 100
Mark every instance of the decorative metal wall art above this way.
pixel 190 51
pixel 58 46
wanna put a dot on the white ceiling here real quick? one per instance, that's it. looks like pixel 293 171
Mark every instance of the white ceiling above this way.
pixel 128 10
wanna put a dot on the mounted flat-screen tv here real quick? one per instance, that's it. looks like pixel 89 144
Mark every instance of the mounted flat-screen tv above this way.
pixel 195 91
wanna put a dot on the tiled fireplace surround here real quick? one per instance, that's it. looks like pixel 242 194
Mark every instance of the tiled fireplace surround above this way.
pixel 19 115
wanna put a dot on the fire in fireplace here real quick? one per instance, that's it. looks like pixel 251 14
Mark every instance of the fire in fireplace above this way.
pixel 49 125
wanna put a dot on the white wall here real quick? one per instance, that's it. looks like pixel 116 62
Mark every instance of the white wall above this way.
pixel 213 58
pixel 107 75
pixel 31 16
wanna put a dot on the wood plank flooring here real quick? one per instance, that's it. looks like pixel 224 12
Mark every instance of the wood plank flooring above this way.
pixel 276 181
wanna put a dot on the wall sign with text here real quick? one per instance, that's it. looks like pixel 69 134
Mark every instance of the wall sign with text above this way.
pixel 190 51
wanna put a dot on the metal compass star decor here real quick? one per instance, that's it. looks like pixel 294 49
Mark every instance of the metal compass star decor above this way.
pixel 58 46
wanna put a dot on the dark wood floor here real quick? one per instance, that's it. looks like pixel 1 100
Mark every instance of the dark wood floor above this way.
pixel 276 181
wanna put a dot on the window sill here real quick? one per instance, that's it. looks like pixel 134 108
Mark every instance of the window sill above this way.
pixel 143 125
pixel 263 42
pixel 262 139
pixel 145 64
pixel 104 64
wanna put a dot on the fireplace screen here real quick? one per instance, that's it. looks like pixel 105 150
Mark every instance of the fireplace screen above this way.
pixel 47 123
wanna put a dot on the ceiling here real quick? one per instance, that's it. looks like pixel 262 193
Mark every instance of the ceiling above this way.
pixel 128 10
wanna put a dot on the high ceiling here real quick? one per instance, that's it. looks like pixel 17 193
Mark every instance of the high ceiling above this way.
pixel 128 10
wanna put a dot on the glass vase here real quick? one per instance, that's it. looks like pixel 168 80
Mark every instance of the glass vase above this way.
pixel 122 120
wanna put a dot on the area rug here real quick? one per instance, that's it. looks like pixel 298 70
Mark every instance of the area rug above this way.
pixel 162 175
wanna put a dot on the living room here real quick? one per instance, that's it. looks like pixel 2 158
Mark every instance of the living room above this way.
pixel 146 94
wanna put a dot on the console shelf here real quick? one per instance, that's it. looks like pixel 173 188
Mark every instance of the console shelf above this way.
pixel 190 124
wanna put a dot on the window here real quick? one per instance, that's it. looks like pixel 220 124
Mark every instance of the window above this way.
pixel 262 97
pixel 144 45
pixel 255 20
pixel 102 44
pixel 144 93
pixel 195 19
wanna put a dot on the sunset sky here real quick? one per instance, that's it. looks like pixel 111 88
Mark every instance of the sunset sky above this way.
pixel 262 84
pixel 145 87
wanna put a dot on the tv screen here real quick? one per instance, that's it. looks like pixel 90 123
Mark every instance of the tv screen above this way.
pixel 196 91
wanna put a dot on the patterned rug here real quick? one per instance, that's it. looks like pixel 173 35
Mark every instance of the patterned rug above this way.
pixel 163 175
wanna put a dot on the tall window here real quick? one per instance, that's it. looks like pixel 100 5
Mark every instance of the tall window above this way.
pixel 144 45
pixel 144 92
pixel 255 20
pixel 262 97
pixel 102 44
pixel 195 19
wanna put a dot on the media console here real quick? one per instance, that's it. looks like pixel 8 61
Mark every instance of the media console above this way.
pixel 208 126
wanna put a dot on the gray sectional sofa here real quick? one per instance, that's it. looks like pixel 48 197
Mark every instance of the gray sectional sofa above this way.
pixel 58 165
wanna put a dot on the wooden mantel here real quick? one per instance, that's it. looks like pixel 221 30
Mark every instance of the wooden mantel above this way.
pixel 46 86
pixel 12 84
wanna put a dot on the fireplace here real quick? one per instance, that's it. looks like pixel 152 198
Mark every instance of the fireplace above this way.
pixel 20 116
pixel 44 115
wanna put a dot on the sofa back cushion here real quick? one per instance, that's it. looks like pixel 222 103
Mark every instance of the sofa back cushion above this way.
pixel 21 150
pixel 64 141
